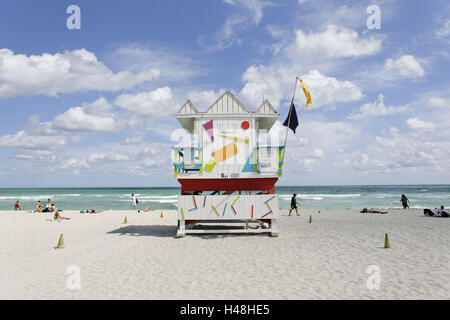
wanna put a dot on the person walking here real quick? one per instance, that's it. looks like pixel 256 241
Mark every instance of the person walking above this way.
pixel 294 204
pixel 133 201
pixel 404 200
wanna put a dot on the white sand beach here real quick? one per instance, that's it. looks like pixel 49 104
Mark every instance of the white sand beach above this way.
pixel 325 259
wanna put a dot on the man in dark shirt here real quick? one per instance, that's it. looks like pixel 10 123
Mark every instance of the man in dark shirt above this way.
pixel 293 204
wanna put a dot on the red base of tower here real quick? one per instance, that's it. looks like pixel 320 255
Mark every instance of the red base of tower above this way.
pixel 250 184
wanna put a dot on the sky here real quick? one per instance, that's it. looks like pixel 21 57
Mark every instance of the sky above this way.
pixel 95 106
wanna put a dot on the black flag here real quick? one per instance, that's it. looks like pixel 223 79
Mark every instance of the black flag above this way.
pixel 293 123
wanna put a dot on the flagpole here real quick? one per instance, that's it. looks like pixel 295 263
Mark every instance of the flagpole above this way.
pixel 289 119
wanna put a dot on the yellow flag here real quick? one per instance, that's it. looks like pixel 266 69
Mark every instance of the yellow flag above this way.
pixel 307 94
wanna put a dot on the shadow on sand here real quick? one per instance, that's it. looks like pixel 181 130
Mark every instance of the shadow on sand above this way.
pixel 207 235
pixel 171 231
pixel 149 231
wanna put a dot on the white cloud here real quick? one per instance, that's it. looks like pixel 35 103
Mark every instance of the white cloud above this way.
pixel 96 116
pixel 406 66
pixel 400 152
pixel 442 19
pixel 419 125
pixel 71 126
pixel 46 156
pixel 67 72
pixel 375 109
pixel 444 29
pixel 393 70
pixel 156 103
pixel 249 13
pixel 276 83
pixel 336 42
pixel 351 14
pixel 262 82
pixel 316 153
pixel 307 56
pixel 96 157
pixel 115 159
pixel 438 102
pixel 26 141
pixel 307 146
pixel 255 7
pixel 74 163
pixel 329 90
pixel 133 140
pixel 112 157
pixel 277 32
pixel 173 65
pixel 102 157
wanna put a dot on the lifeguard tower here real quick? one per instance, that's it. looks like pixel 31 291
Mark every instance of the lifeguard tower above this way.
pixel 228 172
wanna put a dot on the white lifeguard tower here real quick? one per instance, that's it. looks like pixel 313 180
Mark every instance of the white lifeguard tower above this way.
pixel 228 173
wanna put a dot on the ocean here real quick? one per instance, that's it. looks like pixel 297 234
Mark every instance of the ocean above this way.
pixel 310 197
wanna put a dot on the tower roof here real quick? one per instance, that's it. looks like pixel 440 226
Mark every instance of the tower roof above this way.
pixel 227 106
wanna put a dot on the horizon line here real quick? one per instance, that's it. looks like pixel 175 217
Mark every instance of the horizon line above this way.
pixel 284 186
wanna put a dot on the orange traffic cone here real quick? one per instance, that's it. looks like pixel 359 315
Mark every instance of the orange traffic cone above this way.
pixel 162 216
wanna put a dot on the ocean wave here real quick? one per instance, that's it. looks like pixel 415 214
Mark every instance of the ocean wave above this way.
pixel 157 197
pixel 166 201
pixel 153 200
pixel 24 197
pixel 128 195
pixel 383 196
pixel 307 197
pixel 412 196
pixel 320 196
pixel 38 197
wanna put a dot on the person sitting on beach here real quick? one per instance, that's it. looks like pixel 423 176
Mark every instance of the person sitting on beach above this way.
pixel 48 206
pixel 442 213
pixel 17 206
pixel 57 216
pixel 439 213
pixel 293 204
pixel 365 210
pixel 38 207
pixel 404 200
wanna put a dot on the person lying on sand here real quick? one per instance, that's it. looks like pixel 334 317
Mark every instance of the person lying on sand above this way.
pixel 365 210
pixel 147 209
pixel 57 216
pixel 91 211
pixel 439 213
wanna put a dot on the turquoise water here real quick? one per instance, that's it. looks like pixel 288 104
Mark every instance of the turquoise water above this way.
pixel 310 197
